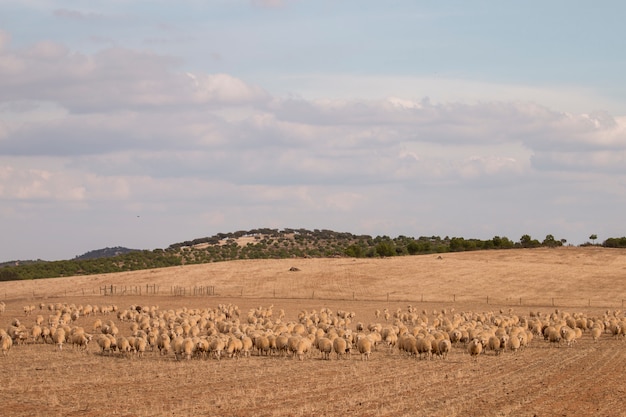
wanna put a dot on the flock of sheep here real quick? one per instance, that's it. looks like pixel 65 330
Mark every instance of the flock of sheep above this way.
pixel 227 332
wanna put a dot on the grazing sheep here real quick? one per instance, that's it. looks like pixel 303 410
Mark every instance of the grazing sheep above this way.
pixel 164 344
pixel 553 336
pixel 105 344
pixel 5 343
pixel 123 346
pixel 247 344
pixel 325 346
pixel 80 340
pixel 514 343
pixel 303 347
pixel 36 333
pixel 282 344
pixel 424 347
pixel 140 346
pixel 216 346
pixel 364 346
pixel 340 346
pixel 262 345
pixel 596 332
pixel 445 346
pixel 495 343
pixel 58 337
pixel 234 346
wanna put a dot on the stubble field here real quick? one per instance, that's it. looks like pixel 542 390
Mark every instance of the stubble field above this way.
pixel 541 380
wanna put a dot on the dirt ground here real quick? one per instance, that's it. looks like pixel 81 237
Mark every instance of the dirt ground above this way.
pixel 541 380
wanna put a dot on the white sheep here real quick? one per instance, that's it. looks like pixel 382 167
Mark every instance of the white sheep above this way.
pixel 341 347
pixel 475 347
pixel 58 337
pixel 5 344
pixel 164 344
pixel 444 347
pixel 80 340
pixel 596 332
pixel 364 346
pixel 325 346
pixel 424 346
pixel 105 344
pixel 233 348
pixel 303 347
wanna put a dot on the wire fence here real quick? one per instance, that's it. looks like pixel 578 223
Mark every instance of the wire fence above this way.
pixel 153 290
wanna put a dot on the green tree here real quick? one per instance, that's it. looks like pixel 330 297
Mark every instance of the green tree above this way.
pixel 593 238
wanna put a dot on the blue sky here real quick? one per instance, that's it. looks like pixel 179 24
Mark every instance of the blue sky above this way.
pixel 144 123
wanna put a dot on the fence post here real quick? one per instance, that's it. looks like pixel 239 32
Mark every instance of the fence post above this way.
pixel 453 298
pixel 487 299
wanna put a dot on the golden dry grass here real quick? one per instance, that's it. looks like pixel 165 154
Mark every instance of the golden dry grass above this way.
pixel 541 380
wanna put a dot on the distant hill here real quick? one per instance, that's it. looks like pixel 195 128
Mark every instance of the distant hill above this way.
pixel 105 253
pixel 261 243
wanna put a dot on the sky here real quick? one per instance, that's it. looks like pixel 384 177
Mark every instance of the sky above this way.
pixel 144 123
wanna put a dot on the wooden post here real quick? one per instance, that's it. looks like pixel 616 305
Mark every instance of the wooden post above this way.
pixel 453 298
pixel 520 301
pixel 487 299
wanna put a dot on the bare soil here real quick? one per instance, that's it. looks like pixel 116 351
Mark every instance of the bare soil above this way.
pixel 542 380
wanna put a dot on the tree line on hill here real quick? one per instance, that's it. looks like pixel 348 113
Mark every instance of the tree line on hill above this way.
pixel 268 244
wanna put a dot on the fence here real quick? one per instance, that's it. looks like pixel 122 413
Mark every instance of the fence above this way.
pixel 153 289
pixel 594 301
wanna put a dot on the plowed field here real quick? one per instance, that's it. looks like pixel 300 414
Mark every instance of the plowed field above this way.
pixel 543 379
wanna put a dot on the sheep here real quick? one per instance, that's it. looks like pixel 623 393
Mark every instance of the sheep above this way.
pixel 475 347
pixel 105 344
pixel 234 346
pixel 568 335
pixel 140 346
pixel 282 344
pixel 216 346
pixel 123 346
pixel 247 344
pixel 364 346
pixel 553 336
pixel 595 333
pixel 424 347
pixel 340 346
pixel 325 346
pixel 80 340
pixel 36 333
pixel 495 343
pixel 444 347
pixel 5 343
pixel 514 343
pixel 164 344
pixel 292 344
pixel 262 345
pixel 58 337
pixel 303 347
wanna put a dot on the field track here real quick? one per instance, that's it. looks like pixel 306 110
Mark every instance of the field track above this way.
pixel 541 380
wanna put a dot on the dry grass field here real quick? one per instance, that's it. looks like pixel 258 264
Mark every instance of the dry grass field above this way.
pixel 541 380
